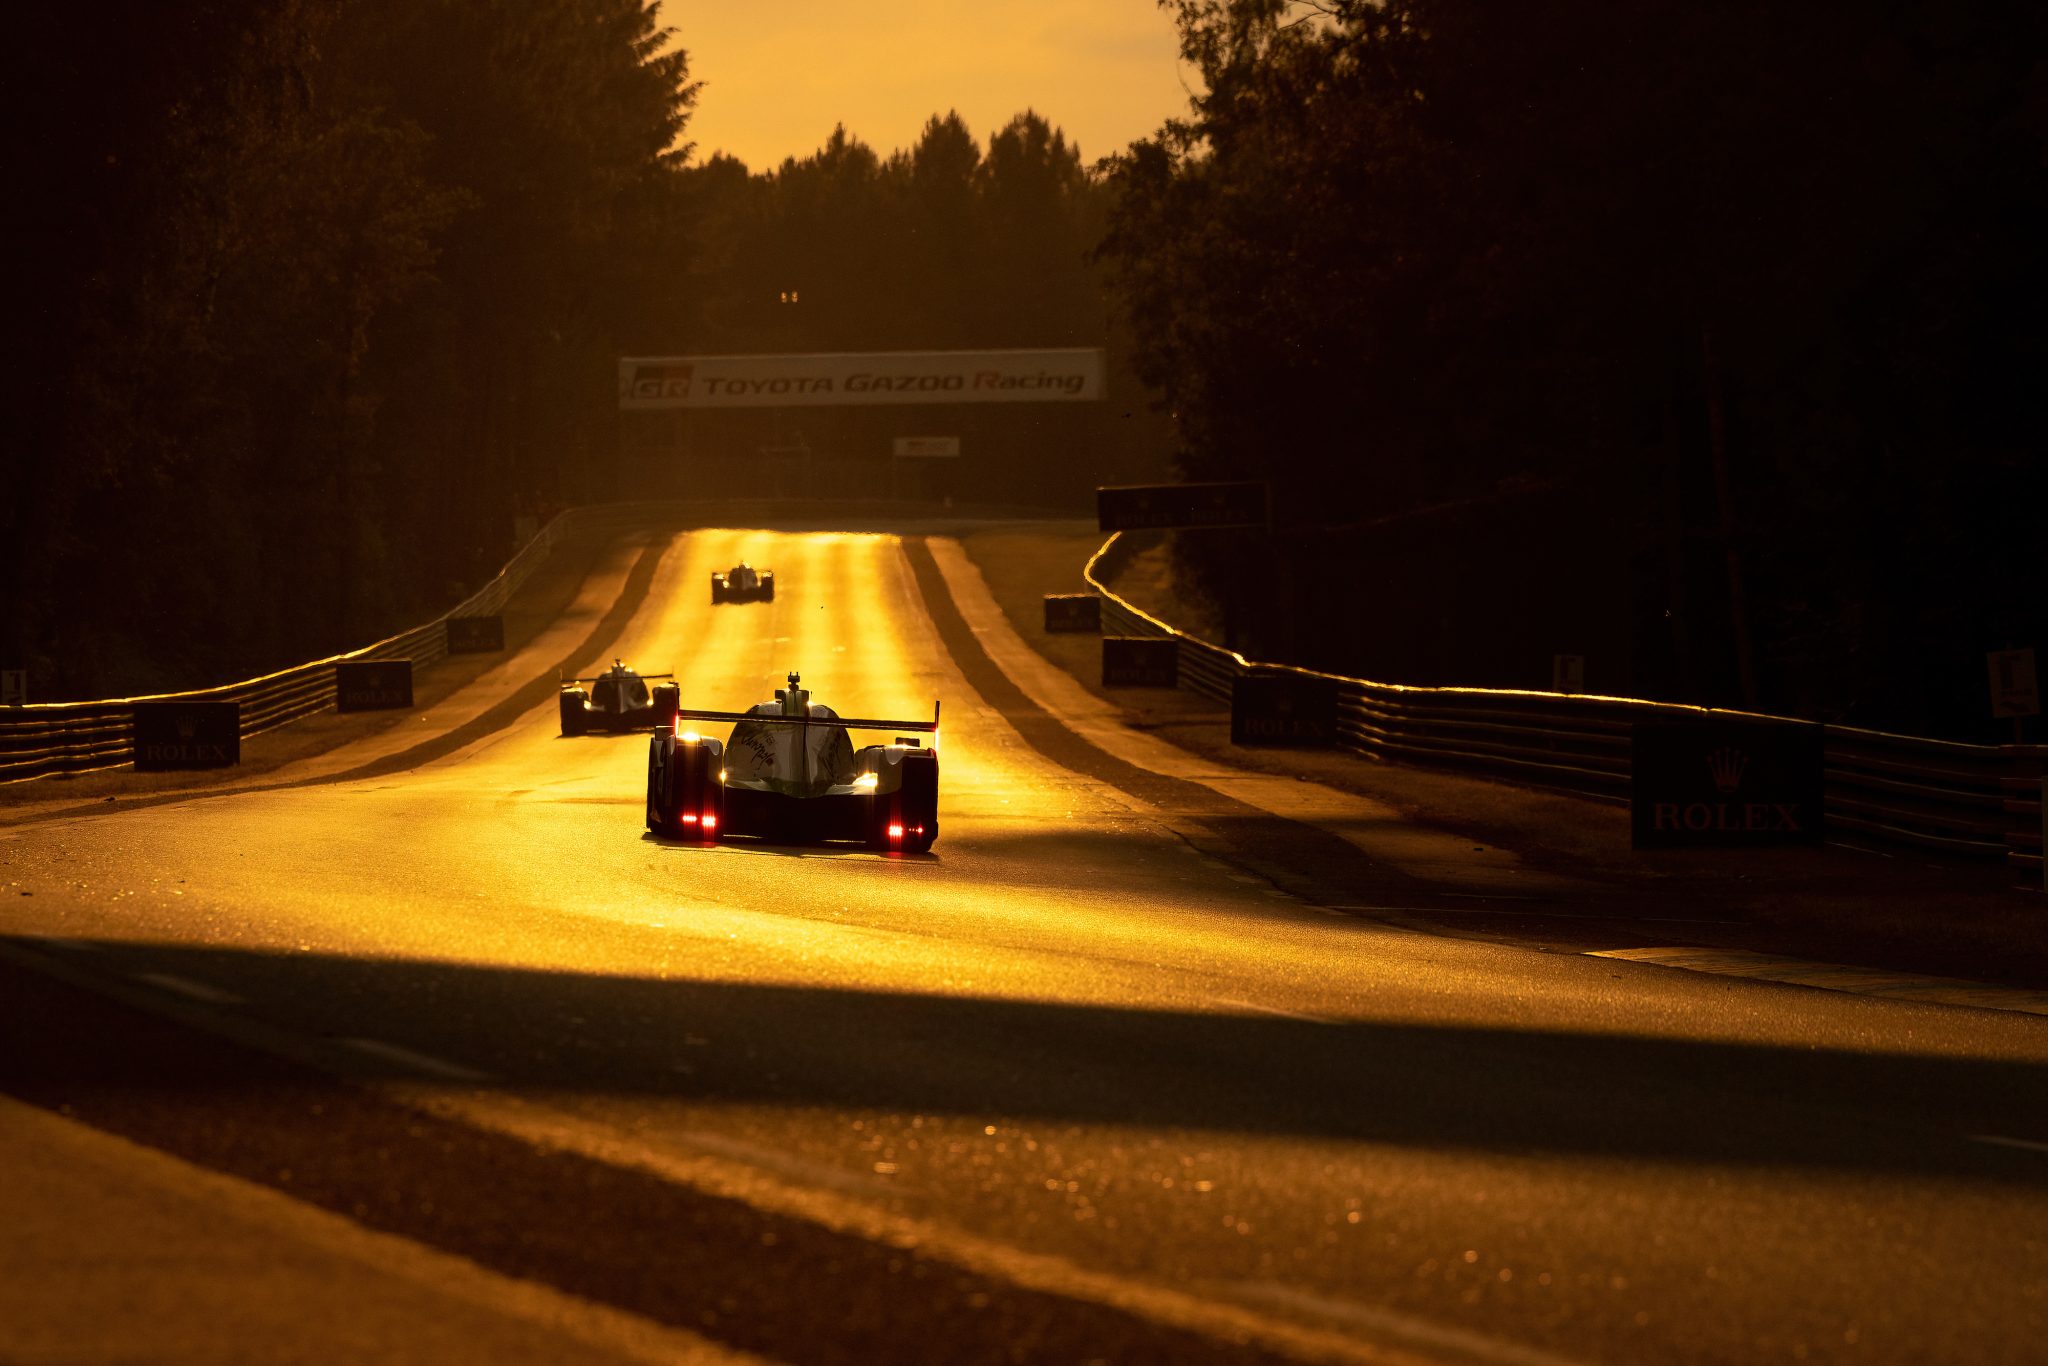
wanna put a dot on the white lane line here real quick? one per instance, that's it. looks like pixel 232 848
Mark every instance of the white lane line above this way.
pixel 185 986
pixel 2000 1140
pixel 420 1062
pixel 1256 1008
pixel 1420 1332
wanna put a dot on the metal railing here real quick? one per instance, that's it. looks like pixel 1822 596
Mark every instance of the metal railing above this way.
pixel 45 739
pixel 1976 801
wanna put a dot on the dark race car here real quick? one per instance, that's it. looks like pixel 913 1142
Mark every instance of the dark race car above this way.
pixel 743 583
pixel 790 774
pixel 616 700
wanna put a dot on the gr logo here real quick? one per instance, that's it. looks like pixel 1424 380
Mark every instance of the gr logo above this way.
pixel 661 381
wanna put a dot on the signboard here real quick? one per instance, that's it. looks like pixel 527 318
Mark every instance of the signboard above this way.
pixel 1725 782
pixel 2015 689
pixel 927 447
pixel 171 735
pixel 13 687
pixel 372 684
pixel 1072 612
pixel 1138 507
pixel 1140 662
pixel 1568 673
pixel 653 383
pixel 476 635
pixel 1283 709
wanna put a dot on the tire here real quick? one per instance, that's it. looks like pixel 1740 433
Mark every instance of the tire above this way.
pixel 920 798
pixel 768 590
pixel 658 818
pixel 668 700
pixel 914 806
pixel 570 707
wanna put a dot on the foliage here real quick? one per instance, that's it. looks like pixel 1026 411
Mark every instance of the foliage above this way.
pixel 1700 338
pixel 319 294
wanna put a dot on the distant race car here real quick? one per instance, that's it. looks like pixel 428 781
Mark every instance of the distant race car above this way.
pixel 743 583
pixel 616 700
pixel 791 774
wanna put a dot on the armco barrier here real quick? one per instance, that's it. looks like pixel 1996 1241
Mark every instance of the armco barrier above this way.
pixel 1975 801
pixel 49 738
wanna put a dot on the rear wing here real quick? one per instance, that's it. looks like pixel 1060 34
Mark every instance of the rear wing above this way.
pixel 930 727
pixel 599 678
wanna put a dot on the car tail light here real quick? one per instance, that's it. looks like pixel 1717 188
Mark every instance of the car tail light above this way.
pixel 711 822
pixel 690 819
pixel 895 832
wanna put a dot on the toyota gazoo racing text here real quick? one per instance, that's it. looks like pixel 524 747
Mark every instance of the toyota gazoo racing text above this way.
pixel 616 700
pixel 743 583
pixel 790 774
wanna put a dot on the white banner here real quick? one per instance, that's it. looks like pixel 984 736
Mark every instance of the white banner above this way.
pixel 1064 376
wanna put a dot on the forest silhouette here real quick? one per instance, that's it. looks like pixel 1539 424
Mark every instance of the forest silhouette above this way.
pixel 1700 339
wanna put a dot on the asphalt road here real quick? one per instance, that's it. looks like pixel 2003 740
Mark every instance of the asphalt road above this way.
pixel 1104 1077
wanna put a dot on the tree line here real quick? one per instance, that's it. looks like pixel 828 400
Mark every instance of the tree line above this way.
pixel 316 296
pixel 1701 339
pixel 321 295
pixel 950 243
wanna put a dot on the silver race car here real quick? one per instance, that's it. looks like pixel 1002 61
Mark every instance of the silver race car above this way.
pixel 743 583
pixel 615 700
pixel 790 774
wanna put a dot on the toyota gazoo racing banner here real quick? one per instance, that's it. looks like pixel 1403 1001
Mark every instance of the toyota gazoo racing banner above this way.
pixel 1063 376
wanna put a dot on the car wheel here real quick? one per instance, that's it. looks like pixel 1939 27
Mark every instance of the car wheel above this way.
pixel 920 797
pixel 661 815
pixel 668 700
pixel 571 710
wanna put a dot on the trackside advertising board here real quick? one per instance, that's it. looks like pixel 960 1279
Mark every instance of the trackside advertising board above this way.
pixel 180 734
pixel 1073 612
pixel 1725 782
pixel 1140 662
pixel 372 684
pixel 1283 709
pixel 651 383
pixel 476 635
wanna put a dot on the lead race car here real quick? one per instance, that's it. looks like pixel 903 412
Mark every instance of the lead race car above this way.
pixel 790 774
pixel 616 700
pixel 743 583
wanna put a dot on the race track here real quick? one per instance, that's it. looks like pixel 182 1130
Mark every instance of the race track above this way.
pixel 1104 1077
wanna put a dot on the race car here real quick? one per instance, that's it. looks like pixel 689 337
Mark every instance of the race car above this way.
pixel 616 700
pixel 743 583
pixel 790 774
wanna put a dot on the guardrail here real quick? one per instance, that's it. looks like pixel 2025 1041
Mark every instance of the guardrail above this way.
pixel 1974 801
pixel 46 739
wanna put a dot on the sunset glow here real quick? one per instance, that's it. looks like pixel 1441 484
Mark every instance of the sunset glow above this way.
pixel 776 82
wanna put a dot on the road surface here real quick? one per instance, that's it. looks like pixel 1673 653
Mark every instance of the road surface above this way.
pixel 1104 1077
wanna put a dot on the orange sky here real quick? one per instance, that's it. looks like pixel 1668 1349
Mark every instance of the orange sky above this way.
pixel 778 75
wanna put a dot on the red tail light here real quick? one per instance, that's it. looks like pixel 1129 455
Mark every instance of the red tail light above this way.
pixel 690 819
pixel 895 832
pixel 711 822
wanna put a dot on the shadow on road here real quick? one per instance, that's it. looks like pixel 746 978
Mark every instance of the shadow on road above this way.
pixel 1419 1085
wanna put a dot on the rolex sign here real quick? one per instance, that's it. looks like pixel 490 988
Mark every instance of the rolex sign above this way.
pixel 1725 782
